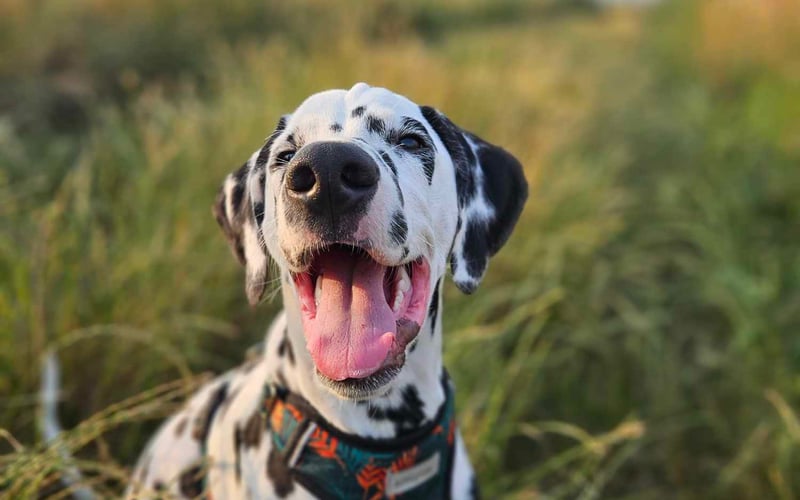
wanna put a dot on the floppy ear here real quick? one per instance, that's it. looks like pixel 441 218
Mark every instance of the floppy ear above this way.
pixel 239 211
pixel 491 191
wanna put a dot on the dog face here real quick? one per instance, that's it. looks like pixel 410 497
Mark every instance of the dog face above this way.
pixel 364 197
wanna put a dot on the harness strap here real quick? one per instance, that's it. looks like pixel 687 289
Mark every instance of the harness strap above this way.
pixel 333 464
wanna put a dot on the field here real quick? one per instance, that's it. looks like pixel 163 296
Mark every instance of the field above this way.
pixel 637 338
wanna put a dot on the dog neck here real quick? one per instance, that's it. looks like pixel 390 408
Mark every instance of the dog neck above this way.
pixel 411 400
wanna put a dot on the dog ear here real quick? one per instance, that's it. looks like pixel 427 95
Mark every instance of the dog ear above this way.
pixel 239 211
pixel 491 191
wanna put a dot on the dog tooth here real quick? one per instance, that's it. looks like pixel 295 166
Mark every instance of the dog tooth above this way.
pixel 398 299
pixel 403 281
pixel 318 289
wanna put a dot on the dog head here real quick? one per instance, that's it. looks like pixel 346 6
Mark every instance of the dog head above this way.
pixel 364 198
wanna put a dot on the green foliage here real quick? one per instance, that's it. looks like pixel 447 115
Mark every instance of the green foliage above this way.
pixel 637 337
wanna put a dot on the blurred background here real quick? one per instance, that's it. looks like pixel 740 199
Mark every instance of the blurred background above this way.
pixel 638 337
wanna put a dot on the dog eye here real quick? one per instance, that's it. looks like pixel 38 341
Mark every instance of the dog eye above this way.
pixel 286 156
pixel 409 142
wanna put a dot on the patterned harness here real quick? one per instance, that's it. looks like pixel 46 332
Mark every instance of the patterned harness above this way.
pixel 331 464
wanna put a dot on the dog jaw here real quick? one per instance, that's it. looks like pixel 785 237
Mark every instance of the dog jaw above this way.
pixel 360 316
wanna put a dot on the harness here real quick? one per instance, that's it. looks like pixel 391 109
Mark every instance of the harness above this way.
pixel 332 464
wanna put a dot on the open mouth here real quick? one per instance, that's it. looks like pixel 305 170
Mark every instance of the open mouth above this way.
pixel 359 315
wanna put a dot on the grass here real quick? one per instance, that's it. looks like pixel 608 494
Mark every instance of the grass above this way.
pixel 637 338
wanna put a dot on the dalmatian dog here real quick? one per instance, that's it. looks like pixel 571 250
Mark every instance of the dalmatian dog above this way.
pixel 362 199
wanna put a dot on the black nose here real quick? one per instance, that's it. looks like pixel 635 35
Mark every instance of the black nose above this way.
pixel 331 178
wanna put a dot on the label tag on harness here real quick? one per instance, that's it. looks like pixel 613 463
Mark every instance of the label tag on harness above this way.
pixel 401 481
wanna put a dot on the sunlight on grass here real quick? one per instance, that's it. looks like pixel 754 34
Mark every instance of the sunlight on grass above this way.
pixel 636 338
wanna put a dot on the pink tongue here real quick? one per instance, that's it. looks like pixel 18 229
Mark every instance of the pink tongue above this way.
pixel 354 328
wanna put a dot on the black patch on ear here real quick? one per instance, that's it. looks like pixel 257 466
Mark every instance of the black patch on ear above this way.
pixel 376 125
pixel 433 308
pixel 246 213
pixel 335 127
pixel 279 474
pixel 505 187
pixel 502 186
pixel 476 248
pixel 459 150
pixel 202 421
pixel 236 196
pixel 359 111
pixel 398 229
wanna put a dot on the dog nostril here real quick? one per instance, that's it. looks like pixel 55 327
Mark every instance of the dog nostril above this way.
pixel 359 176
pixel 301 179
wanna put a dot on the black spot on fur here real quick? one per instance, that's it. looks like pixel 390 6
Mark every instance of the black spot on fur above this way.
pixel 191 482
pixel 159 486
pixel 279 474
pixel 406 417
pixel 425 153
pixel 258 210
pixel 179 428
pixel 476 248
pixel 263 155
pixel 237 452
pixel 144 469
pixel 202 421
pixel 411 126
pixel 405 253
pixel 474 490
pixel 459 150
pixel 241 173
pixel 433 308
pixel 376 125
pixel 281 124
pixel 236 197
pixel 359 111
pixel 229 398
pixel 281 379
pixel 455 234
pixel 253 428
pixel 335 127
pixel 428 160
pixel 239 249
pixel 285 348
pixel 390 163
pixel 398 229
